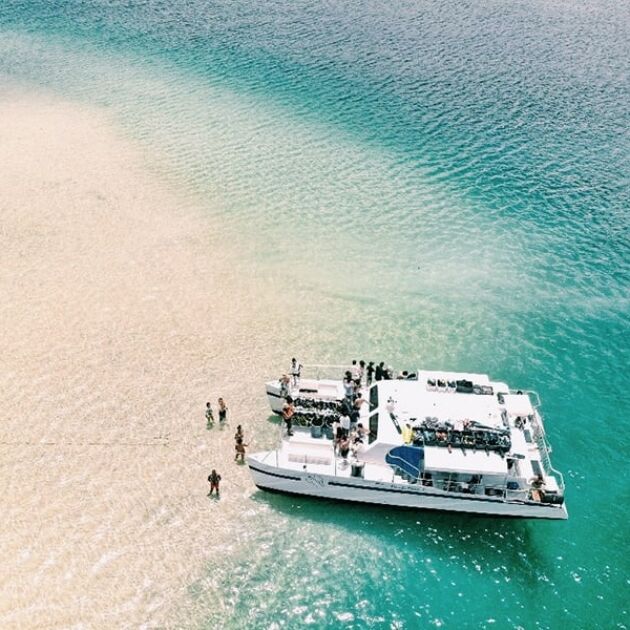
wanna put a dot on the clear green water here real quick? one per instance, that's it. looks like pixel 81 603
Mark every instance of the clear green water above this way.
pixel 433 184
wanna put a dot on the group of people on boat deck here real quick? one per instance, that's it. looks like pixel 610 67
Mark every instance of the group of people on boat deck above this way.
pixel 366 373
pixel 349 439
pixel 287 382
pixel 359 374
pixel 349 433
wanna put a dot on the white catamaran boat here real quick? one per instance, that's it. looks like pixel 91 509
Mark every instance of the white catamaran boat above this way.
pixel 432 440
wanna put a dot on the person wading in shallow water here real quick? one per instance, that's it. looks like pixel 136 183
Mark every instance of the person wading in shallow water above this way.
pixel 213 479
pixel 222 412
pixel 240 450
pixel 209 416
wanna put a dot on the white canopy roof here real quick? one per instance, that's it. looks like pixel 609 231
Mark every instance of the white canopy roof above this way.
pixel 518 404
pixel 437 458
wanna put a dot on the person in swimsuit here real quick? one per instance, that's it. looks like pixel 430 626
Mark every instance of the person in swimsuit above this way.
pixel 296 369
pixel 240 450
pixel 213 479
pixel 222 412
pixel 209 416
pixel 239 432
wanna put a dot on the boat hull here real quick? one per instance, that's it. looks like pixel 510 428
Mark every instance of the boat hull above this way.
pixel 276 400
pixel 305 483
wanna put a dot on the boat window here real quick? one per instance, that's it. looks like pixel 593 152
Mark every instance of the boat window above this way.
pixel 373 428
pixel 373 397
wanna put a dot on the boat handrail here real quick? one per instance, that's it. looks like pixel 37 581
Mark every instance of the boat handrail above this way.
pixel 529 392
pixel 545 448
pixel 537 422
pixel 320 367
pixel 550 470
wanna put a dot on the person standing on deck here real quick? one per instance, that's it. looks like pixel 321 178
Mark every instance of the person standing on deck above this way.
pixel 296 369
pixel 537 491
pixel 288 410
pixel 407 433
pixel 348 386
pixel 380 368
pixel 356 411
pixel 361 371
pixel 354 370
pixel 285 382
pixel 370 372
pixel 344 422
pixel 344 447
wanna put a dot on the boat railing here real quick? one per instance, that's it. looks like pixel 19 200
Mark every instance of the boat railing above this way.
pixel 317 371
pixel 544 448
pixel 528 392
pixel 540 437
pixel 321 370
pixel 448 485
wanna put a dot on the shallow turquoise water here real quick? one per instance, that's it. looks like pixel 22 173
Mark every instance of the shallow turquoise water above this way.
pixel 451 184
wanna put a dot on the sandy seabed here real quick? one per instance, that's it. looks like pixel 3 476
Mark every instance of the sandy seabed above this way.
pixel 120 315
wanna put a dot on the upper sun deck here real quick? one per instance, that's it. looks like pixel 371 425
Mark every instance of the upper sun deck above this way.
pixel 436 395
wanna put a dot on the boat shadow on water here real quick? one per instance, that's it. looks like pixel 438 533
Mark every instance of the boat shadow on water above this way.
pixel 513 543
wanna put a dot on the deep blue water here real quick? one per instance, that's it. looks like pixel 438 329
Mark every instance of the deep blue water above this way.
pixel 451 183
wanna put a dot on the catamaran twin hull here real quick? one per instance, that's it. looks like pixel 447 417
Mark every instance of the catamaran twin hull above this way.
pixel 286 481
pixel 429 440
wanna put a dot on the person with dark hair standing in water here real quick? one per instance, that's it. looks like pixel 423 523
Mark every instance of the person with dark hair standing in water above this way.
pixel 213 479
pixel 240 450
pixel 209 416
pixel 222 412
